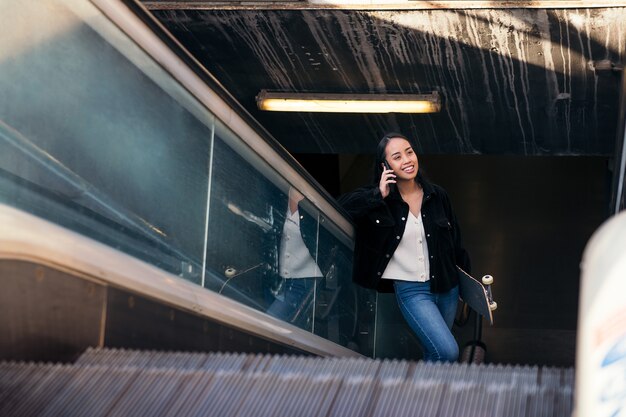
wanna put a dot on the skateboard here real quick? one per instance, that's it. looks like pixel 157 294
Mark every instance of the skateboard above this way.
pixel 477 295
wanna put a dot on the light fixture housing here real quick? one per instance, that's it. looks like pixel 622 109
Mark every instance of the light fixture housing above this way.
pixel 349 103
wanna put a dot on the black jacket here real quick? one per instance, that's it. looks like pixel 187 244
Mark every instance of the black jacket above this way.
pixel 380 225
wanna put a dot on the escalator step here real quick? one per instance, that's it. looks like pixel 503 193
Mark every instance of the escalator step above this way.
pixel 117 382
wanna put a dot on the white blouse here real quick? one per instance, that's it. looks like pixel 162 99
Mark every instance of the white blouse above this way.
pixel 294 259
pixel 410 260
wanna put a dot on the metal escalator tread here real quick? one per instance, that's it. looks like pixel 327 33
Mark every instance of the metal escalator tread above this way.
pixel 118 382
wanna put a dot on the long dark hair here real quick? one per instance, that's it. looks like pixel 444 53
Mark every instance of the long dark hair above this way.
pixel 380 157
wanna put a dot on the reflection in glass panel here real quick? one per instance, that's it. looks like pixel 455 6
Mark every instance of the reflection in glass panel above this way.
pixel 262 235
pixel 267 248
pixel 245 196
pixel 295 273
pixel 97 137
pixel 344 312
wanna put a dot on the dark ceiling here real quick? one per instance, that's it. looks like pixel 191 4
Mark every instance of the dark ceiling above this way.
pixel 514 81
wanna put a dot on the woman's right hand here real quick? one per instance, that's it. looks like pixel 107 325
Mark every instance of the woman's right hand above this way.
pixel 386 178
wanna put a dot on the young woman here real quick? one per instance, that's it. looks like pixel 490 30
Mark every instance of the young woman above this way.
pixel 408 241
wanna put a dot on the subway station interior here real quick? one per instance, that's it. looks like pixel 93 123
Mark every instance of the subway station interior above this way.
pixel 143 190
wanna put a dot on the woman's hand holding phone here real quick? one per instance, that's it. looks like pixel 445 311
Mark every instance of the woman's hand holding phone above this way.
pixel 386 178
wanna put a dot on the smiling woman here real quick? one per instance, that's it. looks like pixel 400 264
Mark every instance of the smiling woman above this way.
pixel 408 241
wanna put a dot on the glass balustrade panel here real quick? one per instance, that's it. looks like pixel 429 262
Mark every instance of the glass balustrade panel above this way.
pixel 97 137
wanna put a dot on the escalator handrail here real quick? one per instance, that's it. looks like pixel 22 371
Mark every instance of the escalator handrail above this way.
pixel 26 237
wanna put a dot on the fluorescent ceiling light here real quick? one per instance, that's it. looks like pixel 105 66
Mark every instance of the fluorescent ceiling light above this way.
pixel 349 103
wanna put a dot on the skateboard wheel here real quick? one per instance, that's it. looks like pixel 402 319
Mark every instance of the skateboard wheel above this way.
pixel 230 272
pixel 493 305
pixel 487 280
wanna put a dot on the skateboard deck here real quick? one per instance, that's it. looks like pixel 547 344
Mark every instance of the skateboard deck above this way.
pixel 474 293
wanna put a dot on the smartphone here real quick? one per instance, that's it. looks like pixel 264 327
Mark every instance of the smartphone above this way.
pixel 387 166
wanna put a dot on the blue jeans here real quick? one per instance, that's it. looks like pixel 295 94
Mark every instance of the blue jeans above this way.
pixel 296 305
pixel 430 316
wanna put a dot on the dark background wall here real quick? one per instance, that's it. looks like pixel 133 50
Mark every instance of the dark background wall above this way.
pixel 526 221
pixel 525 81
